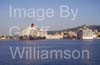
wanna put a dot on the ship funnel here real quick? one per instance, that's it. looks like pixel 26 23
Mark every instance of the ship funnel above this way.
pixel 32 25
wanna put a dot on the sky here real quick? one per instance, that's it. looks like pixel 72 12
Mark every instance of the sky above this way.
pixel 88 13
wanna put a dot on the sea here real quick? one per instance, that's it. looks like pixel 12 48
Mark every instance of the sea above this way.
pixel 72 52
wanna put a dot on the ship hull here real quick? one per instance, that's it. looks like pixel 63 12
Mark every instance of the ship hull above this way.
pixel 31 38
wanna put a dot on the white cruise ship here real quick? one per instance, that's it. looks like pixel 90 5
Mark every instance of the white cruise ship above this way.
pixel 88 34
pixel 85 33
pixel 33 32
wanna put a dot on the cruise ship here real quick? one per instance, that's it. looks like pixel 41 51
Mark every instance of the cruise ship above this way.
pixel 33 32
pixel 85 33
pixel 88 34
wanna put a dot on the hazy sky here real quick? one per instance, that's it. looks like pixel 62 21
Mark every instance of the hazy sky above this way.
pixel 88 13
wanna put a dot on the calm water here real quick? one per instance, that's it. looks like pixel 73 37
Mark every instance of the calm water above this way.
pixel 93 46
